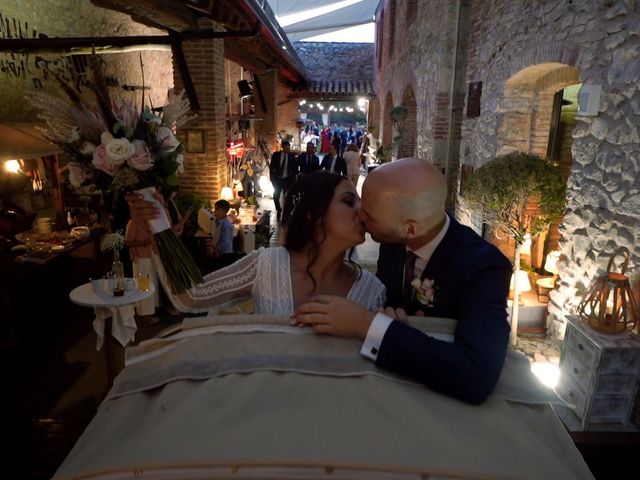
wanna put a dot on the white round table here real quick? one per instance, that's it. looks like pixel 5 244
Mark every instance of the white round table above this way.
pixel 85 296
pixel 118 311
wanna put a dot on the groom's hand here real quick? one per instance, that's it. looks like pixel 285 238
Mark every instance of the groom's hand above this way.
pixel 333 315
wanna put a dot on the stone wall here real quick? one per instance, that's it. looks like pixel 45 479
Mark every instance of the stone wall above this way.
pixel 414 50
pixel 523 51
pixel 20 73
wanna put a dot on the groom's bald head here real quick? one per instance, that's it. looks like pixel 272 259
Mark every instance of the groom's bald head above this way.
pixel 406 191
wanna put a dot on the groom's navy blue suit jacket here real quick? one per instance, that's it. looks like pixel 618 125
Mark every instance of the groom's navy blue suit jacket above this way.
pixel 471 280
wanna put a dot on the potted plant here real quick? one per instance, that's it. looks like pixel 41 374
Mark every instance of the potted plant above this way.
pixel 502 189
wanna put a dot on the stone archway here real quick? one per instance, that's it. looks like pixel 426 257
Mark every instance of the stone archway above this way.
pixel 407 136
pixel 387 128
pixel 535 106
pixel 527 104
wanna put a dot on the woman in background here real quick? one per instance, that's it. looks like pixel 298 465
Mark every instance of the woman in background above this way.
pixel 352 158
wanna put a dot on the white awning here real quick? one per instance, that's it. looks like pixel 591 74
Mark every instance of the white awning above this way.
pixel 358 13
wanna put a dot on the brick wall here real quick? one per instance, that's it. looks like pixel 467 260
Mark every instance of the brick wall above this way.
pixel 206 173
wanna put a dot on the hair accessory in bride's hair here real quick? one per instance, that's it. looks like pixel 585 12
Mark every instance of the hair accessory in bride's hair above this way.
pixel 295 200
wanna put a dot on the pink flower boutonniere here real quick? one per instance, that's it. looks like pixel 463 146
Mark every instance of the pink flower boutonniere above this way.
pixel 424 291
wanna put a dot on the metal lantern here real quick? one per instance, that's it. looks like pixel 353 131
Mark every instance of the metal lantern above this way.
pixel 609 305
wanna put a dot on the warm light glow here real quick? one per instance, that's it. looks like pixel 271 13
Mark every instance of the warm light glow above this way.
pixel 547 373
pixel 226 193
pixel 362 102
pixel 523 281
pixel 265 186
pixel 236 149
pixel 551 263
pixel 12 166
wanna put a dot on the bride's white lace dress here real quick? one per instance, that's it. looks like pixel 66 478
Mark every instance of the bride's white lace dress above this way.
pixel 265 275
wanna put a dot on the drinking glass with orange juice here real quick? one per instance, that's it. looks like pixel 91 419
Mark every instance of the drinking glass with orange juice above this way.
pixel 144 283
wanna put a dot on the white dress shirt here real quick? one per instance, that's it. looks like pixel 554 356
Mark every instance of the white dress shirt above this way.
pixel 381 322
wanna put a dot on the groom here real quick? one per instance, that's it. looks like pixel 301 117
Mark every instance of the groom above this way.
pixel 431 265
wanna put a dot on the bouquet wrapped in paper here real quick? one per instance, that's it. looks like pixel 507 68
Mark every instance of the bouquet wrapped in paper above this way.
pixel 119 147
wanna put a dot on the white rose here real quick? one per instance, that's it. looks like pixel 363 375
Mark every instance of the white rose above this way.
pixel 416 282
pixel 87 147
pixel 119 150
pixel 167 139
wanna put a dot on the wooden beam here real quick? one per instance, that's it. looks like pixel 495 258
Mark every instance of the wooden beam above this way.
pixel 80 45
pixel 181 62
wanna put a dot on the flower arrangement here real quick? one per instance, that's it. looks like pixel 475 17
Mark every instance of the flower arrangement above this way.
pixel 424 291
pixel 119 147
pixel 112 241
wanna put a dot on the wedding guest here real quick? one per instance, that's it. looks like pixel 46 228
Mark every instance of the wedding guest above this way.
pixel 178 219
pixel 320 225
pixel 352 159
pixel 282 170
pixel 455 274
pixel 222 229
pixel 308 162
pixel 222 252
pixel 332 162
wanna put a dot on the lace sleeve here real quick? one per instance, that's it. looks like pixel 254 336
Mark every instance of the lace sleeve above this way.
pixel 221 287
pixel 368 291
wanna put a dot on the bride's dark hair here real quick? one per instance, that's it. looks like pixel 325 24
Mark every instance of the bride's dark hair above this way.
pixel 305 208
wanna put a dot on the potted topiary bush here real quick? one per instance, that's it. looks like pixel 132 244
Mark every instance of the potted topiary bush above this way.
pixel 501 191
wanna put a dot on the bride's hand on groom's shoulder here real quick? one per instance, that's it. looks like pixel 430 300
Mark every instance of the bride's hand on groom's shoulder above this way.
pixel 333 315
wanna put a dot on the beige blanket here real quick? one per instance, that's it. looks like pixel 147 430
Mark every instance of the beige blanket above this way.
pixel 243 401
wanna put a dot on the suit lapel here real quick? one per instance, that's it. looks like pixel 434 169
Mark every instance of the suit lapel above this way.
pixel 438 268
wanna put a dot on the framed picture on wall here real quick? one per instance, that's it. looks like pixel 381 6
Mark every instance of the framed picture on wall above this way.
pixel 195 141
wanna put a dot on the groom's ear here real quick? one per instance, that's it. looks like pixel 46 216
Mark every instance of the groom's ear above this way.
pixel 410 228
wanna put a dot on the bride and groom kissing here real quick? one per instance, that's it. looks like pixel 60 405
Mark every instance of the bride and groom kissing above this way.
pixel 429 264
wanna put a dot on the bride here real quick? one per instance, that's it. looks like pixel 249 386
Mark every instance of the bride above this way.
pixel 320 224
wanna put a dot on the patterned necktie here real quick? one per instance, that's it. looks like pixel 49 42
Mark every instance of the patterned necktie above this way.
pixel 409 267
pixel 284 159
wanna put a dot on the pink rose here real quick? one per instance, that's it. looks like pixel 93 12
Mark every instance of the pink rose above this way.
pixel 127 114
pixel 101 162
pixel 141 159
pixel 167 139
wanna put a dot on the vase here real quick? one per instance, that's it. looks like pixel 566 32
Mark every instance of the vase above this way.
pixel 117 271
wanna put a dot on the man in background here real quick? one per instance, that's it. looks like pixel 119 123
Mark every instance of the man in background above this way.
pixel 282 170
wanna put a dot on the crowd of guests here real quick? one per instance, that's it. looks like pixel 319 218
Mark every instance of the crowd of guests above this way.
pixel 342 154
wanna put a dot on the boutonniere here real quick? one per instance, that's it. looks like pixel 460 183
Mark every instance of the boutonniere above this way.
pixel 424 291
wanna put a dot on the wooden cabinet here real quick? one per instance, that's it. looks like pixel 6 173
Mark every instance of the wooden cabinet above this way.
pixel 599 375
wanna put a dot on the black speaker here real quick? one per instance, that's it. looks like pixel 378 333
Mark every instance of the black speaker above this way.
pixel 245 89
